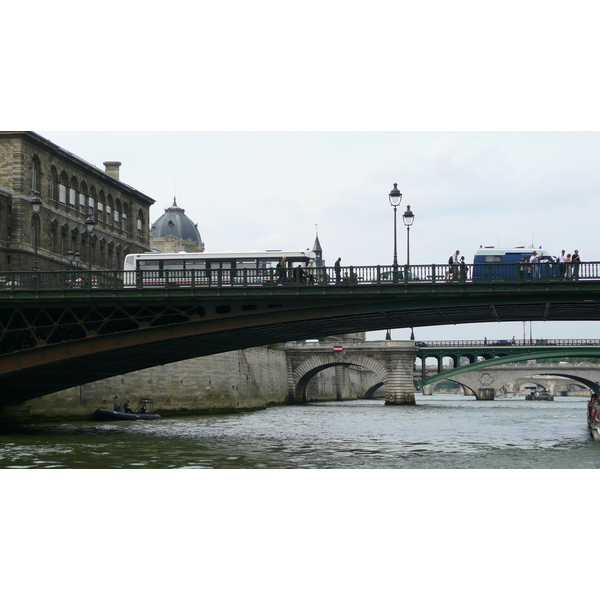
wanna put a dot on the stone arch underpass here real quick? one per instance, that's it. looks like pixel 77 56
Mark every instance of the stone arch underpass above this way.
pixel 306 370
pixel 391 364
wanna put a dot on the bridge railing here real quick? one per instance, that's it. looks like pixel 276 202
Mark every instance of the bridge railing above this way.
pixel 320 276
pixel 511 342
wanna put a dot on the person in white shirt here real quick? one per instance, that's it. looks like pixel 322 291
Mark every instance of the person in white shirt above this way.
pixel 535 264
pixel 562 263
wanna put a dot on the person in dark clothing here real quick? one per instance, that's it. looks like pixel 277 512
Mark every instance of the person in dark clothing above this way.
pixel 338 270
pixel 126 407
pixel 575 261
pixel 300 275
pixel 464 270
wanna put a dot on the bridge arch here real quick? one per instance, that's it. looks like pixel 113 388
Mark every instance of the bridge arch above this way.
pixel 308 368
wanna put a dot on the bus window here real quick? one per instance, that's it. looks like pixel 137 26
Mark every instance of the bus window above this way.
pixel 173 265
pixel 149 265
pixel 195 264
pixel 246 264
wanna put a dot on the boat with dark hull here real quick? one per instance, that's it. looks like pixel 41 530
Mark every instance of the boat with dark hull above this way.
pixel 121 412
pixel 539 395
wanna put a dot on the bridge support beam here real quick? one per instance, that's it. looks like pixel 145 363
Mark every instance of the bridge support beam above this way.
pixel 400 385
pixel 342 391
pixel 486 393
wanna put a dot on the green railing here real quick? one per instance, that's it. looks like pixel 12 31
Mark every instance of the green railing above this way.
pixel 320 276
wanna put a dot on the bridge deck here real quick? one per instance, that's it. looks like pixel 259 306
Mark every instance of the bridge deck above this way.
pixel 63 334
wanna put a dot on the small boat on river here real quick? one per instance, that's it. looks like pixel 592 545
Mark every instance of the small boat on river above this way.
pixel 508 396
pixel 539 395
pixel 122 412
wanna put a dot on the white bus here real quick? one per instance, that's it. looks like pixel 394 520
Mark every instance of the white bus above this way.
pixel 222 268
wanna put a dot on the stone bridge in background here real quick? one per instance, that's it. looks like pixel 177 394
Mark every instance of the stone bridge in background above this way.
pixel 391 362
pixel 486 382
pixel 494 368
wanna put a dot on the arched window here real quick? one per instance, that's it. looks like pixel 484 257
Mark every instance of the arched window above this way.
pixel 73 193
pixel 140 223
pixel 92 201
pixel 126 219
pixel 117 214
pixel 74 242
pixel 82 198
pixel 62 188
pixel 109 210
pixel 53 184
pixel 36 175
pixel 110 256
pixel 101 207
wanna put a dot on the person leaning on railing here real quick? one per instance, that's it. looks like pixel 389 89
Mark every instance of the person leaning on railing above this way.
pixel 575 262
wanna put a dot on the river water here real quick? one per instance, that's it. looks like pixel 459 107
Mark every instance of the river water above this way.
pixel 440 432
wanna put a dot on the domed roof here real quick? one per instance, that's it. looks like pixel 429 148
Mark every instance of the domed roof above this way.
pixel 175 222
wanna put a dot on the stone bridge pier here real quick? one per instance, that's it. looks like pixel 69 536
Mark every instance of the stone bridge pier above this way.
pixel 391 362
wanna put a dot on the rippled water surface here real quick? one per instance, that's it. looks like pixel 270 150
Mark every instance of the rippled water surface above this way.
pixel 446 432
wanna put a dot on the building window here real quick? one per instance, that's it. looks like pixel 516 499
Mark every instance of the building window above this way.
pixel 62 193
pixel 36 180
pixel 100 211
pixel 91 203
pixel 82 203
pixel 72 195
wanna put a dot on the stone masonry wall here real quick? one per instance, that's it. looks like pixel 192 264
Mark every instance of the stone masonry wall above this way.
pixel 239 380
pixel 228 382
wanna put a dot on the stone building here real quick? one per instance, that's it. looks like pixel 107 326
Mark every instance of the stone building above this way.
pixel 175 232
pixel 71 190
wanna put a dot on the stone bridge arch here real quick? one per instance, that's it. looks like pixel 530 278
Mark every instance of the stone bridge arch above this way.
pixel 304 371
pixel 484 383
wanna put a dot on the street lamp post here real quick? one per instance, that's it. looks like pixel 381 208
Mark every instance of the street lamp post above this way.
pixel 395 199
pixel 74 258
pixel 90 225
pixel 36 207
pixel 409 218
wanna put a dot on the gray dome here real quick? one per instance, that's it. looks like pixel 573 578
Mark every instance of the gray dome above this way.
pixel 174 222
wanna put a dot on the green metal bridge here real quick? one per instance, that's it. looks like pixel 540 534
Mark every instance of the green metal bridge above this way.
pixel 487 353
pixel 62 329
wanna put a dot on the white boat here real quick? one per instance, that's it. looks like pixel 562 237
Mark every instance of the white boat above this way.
pixel 508 396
